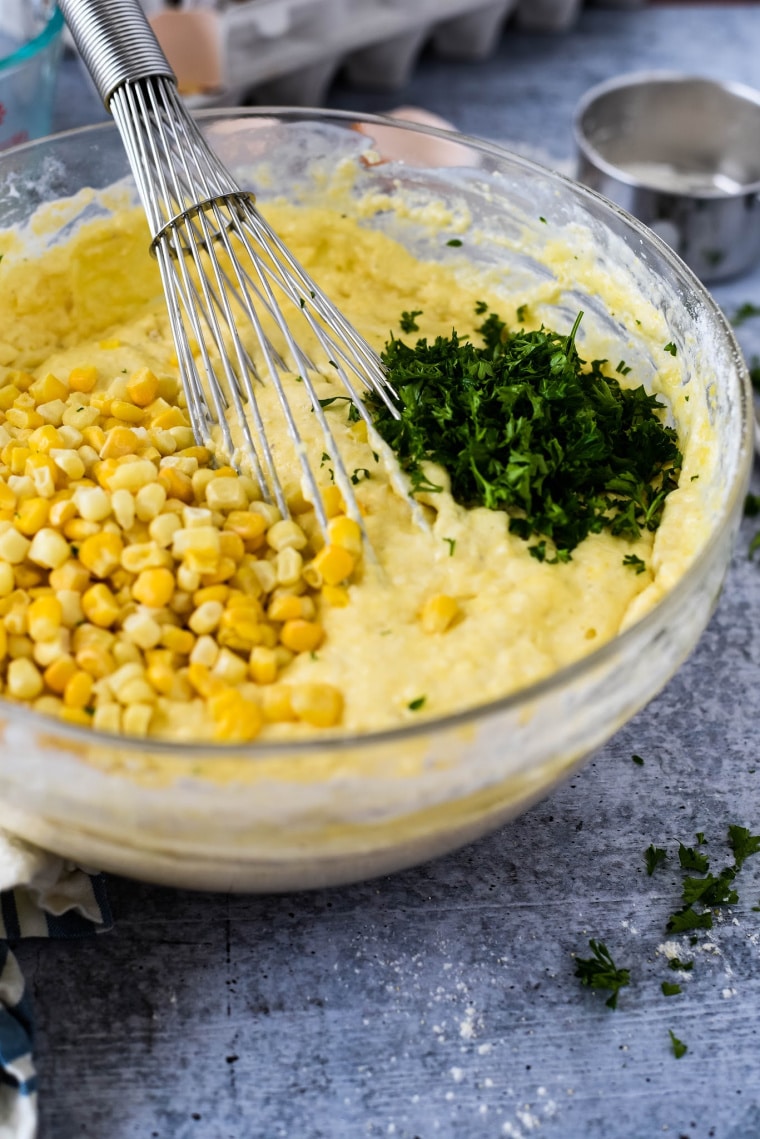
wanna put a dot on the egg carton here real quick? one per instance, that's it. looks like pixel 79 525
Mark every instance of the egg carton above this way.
pixel 288 51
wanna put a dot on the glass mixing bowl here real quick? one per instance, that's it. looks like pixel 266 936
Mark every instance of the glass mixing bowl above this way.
pixel 281 816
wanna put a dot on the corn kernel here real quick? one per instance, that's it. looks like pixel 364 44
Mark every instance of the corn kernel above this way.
pixel 211 593
pixel 198 548
pixel 172 417
pixel 132 476
pixel 163 528
pixel 241 720
pixel 83 379
pixel 286 534
pixel 230 667
pixel 59 672
pixel 32 515
pixel 69 574
pixel 203 682
pixel 180 641
pixel 126 411
pixel 187 579
pixel 346 533
pixel 302 636
pixel 288 566
pixel 107 718
pixel 154 587
pixel 123 506
pixel 161 677
pixel 142 630
pixel 78 690
pixel 14 547
pixel 145 555
pixel 71 607
pixel 7 579
pixel 95 660
pixel 150 500
pixel 69 461
pixel 100 606
pixel 332 501
pixel 335 595
pixel 206 617
pixel 142 387
pixel 44 618
pixel 78 529
pixel 7 497
pixel 277 703
pixel 20 646
pixel 262 665
pixel 177 484
pixel 118 442
pixel 438 613
pixel 135 720
pixel 205 651
pixel 226 494
pixel 285 607
pixel 45 439
pixel 318 704
pixel 24 681
pixel 334 564
pixel 80 416
pixel 101 553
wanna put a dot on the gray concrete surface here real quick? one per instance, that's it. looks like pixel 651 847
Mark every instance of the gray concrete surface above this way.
pixel 441 1002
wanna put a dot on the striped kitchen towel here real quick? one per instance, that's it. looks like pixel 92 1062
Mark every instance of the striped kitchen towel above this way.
pixel 41 895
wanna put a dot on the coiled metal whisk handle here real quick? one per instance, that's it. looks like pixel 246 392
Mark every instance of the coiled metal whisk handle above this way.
pixel 116 42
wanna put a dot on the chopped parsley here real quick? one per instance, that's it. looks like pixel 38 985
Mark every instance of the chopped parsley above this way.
pixel 415 705
pixel 408 322
pixel 637 564
pixel 359 475
pixel 691 859
pixel 637 760
pixel 623 368
pixel 521 423
pixel 743 844
pixel 601 972
pixel 653 856
pixel 353 411
pixel 452 545
pixel 670 988
pixel 677 965
pixel 745 312
pixel 670 347
pixel 521 313
pixel 679 1048
pixel 455 242
pixel 752 505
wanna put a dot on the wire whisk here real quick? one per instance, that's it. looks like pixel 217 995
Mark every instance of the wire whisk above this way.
pixel 222 267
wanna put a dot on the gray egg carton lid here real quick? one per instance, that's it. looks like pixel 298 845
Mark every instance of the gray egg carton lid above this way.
pixel 287 51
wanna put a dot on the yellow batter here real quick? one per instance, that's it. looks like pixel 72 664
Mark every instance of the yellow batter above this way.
pixel 96 304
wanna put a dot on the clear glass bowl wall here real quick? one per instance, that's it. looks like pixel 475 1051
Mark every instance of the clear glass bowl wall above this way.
pixel 287 816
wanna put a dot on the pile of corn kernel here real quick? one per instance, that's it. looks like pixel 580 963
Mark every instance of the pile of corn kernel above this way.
pixel 143 591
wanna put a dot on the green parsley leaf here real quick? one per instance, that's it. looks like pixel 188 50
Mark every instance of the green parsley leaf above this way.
pixel 623 368
pixel 711 890
pixel 600 972
pixel 408 322
pixel 671 347
pixel 700 837
pixel 684 920
pixel 691 859
pixel 635 563
pixel 480 307
pixel 415 705
pixel 684 966
pixel 521 423
pixel 752 505
pixel 745 312
pixel 353 411
pixel 521 313
pixel 360 475
pixel 452 545
pixel 679 1048
pixel 455 242
pixel 653 856
pixel 742 843
pixel 670 989
pixel 637 760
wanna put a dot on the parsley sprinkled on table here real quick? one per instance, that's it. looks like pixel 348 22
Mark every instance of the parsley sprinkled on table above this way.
pixel 600 972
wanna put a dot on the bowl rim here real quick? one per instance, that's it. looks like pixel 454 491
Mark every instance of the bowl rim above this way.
pixel 190 751
pixel 643 78
pixel 52 30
